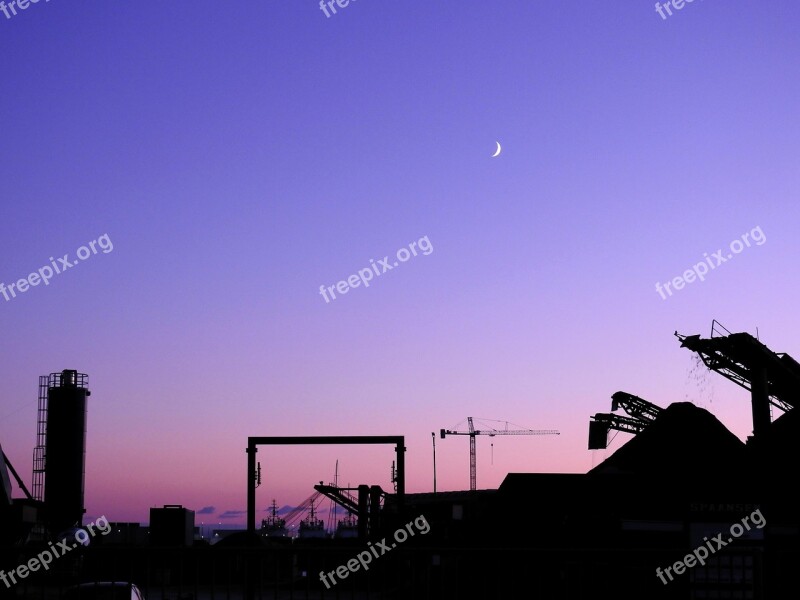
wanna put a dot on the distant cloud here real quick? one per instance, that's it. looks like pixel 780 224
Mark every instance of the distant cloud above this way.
pixel 207 510
pixel 232 514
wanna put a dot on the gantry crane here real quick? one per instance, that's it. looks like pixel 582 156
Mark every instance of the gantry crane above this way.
pixel 490 432
pixel 772 378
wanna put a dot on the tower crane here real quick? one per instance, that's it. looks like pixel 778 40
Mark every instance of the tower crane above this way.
pixel 472 432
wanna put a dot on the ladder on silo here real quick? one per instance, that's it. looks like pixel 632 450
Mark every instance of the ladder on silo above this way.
pixel 41 440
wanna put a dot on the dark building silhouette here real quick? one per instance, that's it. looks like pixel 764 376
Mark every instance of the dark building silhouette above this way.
pixel 172 525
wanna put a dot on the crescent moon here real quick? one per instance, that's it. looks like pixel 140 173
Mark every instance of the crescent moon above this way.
pixel 497 152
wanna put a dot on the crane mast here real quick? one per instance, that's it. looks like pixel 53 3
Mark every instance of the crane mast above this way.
pixel 473 466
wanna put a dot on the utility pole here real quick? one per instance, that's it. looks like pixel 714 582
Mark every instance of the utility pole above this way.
pixel 433 437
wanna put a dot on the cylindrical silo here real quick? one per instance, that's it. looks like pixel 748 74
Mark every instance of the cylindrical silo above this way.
pixel 65 449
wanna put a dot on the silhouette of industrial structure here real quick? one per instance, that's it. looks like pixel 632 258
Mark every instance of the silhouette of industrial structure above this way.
pixel 682 480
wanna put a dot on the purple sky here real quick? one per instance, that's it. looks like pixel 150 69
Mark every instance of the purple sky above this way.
pixel 241 155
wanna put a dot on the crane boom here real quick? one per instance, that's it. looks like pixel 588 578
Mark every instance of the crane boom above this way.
pixel 636 407
pixel 472 432
pixel 641 412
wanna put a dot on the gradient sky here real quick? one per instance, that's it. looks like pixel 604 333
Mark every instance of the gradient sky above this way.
pixel 240 155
